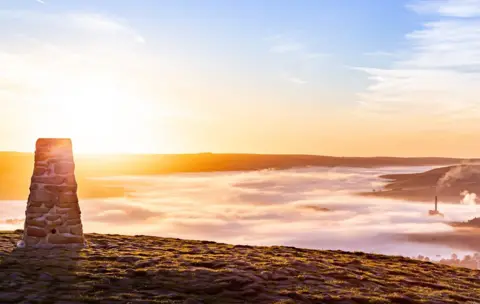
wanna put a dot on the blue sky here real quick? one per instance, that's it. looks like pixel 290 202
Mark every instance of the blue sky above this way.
pixel 267 73
pixel 235 34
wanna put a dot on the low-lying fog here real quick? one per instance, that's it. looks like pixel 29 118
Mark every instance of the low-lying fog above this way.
pixel 266 208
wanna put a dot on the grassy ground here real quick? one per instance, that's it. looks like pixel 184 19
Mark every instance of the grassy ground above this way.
pixel 141 269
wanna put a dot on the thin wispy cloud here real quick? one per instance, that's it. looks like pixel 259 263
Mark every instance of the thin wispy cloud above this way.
pixel 452 8
pixel 379 54
pixel 440 71
pixel 43 61
pixel 317 55
pixel 288 49
pixel 83 21
pixel 284 44
pixel 295 80
pixel 99 22
pixel 40 1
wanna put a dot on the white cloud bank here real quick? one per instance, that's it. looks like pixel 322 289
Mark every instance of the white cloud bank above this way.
pixel 439 73
pixel 265 208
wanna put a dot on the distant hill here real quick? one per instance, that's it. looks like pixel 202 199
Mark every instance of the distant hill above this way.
pixel 16 168
pixel 473 223
pixel 424 186
pixel 144 269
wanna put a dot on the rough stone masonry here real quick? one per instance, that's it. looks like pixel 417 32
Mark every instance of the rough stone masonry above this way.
pixel 53 214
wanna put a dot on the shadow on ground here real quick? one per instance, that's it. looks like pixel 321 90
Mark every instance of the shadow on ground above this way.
pixel 37 275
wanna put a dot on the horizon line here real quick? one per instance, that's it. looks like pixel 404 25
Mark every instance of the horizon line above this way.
pixel 245 153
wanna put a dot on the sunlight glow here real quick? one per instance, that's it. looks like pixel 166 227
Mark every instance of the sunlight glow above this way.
pixel 99 116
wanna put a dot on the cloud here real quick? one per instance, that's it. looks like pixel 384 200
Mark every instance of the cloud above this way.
pixel 317 55
pixel 267 207
pixel 451 8
pixel 295 57
pixel 287 47
pixel 13 221
pixel 284 44
pixel 40 1
pixel 97 22
pixel 296 80
pixel 120 214
pixel 379 54
pixel 93 23
pixel 439 72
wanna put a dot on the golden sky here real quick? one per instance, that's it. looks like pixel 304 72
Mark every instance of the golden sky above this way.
pixel 121 81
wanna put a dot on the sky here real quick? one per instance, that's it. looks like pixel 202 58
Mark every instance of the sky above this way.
pixel 329 77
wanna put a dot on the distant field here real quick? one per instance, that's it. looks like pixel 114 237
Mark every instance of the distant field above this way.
pixel 16 168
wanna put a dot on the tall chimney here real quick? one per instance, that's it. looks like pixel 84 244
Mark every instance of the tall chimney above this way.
pixel 53 213
pixel 436 202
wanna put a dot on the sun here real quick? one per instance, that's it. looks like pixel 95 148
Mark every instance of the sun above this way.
pixel 100 118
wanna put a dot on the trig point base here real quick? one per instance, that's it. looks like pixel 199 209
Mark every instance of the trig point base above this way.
pixel 53 213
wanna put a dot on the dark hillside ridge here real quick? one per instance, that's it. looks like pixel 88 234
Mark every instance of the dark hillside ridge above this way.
pixel 424 186
pixel 144 269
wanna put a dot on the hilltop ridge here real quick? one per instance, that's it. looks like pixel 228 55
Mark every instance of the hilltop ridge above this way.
pixel 144 269
pixel 425 185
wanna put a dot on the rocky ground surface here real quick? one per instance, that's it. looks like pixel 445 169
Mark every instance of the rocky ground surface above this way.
pixel 143 269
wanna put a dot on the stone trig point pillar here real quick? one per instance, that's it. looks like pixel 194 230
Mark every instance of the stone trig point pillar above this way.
pixel 53 213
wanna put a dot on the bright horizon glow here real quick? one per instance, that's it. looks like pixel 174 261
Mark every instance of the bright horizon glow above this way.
pixel 97 120
pixel 164 77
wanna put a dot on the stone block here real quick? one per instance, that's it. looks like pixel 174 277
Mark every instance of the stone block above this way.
pixel 49 205
pixel 73 214
pixel 62 239
pixel 63 229
pixel 48 143
pixel 31 240
pixel 42 196
pixel 35 186
pixel 41 156
pixel 32 215
pixel 63 209
pixel 36 222
pixel 40 210
pixel 38 232
pixel 77 230
pixel 53 224
pixel 61 188
pixel 64 167
pixel 49 180
pixel 35 204
pixel 74 222
pixel 39 171
pixel 70 180
pixel 68 198
pixel 53 217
